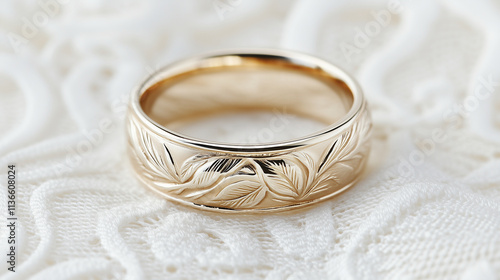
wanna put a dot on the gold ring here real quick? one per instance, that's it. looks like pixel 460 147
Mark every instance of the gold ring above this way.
pixel 248 177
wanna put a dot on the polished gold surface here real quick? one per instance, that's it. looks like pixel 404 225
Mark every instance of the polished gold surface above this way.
pixel 268 88
pixel 249 177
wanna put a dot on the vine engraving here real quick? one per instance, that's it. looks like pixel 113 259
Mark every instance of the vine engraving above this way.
pixel 236 182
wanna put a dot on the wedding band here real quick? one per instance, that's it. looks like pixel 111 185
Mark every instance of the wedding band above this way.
pixel 248 177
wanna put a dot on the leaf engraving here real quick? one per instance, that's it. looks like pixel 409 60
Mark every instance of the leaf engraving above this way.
pixel 343 161
pixel 241 194
pixel 286 179
pixel 237 182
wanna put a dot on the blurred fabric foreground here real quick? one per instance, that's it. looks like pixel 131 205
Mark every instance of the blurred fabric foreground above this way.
pixel 428 207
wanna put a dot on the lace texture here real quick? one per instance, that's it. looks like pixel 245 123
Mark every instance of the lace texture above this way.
pixel 428 206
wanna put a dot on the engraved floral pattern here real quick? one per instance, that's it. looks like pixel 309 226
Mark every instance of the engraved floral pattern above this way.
pixel 236 182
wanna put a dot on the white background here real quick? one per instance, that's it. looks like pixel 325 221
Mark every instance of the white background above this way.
pixel 428 207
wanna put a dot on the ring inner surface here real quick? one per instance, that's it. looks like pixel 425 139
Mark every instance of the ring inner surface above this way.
pixel 269 100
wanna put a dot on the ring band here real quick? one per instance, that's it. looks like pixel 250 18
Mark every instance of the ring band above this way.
pixel 249 177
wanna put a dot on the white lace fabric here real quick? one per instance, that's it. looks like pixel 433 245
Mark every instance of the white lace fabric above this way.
pixel 425 209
